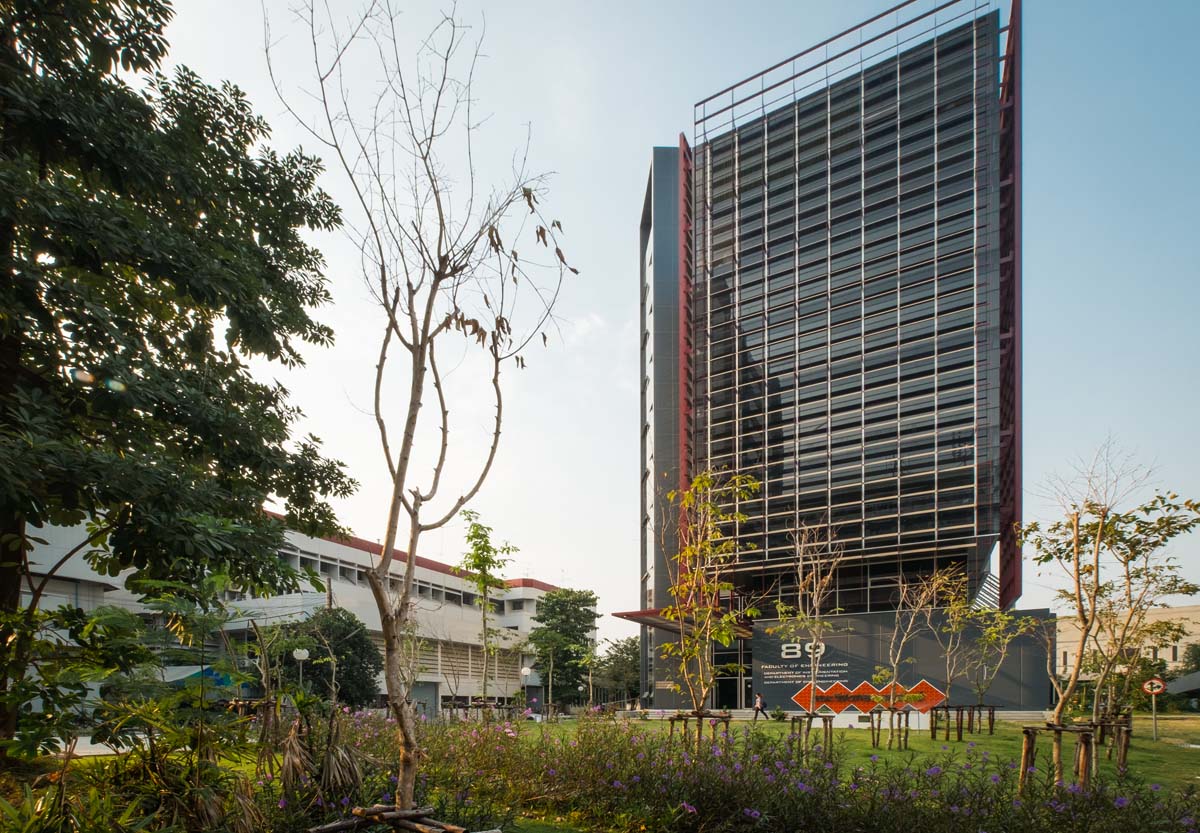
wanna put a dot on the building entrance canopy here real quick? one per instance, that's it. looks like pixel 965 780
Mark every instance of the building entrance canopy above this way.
pixel 654 618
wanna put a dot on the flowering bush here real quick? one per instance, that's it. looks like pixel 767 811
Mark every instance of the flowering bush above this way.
pixel 632 777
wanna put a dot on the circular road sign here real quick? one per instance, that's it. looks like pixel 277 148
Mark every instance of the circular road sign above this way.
pixel 1154 685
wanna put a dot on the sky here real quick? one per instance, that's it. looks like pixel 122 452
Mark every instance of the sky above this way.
pixel 1111 263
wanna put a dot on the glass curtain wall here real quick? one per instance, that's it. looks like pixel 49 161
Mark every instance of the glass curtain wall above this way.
pixel 846 316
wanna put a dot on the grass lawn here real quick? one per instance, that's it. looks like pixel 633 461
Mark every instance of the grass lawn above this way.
pixel 1169 762
pixel 536 826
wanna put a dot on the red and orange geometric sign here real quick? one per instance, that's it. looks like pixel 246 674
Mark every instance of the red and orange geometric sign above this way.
pixel 865 697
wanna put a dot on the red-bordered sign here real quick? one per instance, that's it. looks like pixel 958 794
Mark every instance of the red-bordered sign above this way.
pixel 1154 685
pixel 864 697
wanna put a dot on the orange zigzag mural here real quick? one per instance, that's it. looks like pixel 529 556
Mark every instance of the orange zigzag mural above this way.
pixel 864 697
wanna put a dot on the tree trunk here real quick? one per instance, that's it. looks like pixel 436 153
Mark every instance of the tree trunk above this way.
pixel 484 638
pixel 400 707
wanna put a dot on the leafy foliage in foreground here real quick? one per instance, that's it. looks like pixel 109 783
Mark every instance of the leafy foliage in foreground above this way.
pixel 618 776
pixel 151 246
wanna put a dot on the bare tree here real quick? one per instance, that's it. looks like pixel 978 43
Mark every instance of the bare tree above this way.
pixel 914 598
pixel 1046 633
pixel 949 619
pixel 440 258
pixel 816 561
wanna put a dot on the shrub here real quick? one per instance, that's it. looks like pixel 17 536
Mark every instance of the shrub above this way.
pixel 627 776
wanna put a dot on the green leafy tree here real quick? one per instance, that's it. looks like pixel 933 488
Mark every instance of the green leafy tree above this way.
pixel 151 245
pixel 700 588
pixel 1115 566
pixel 1191 659
pixel 481 565
pixel 996 631
pixel 344 662
pixel 620 667
pixel 1112 558
pixel 561 640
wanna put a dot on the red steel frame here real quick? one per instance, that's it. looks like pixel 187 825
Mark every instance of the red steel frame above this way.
pixel 685 310
pixel 1010 312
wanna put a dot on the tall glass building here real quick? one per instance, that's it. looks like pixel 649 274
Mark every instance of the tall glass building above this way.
pixel 846 309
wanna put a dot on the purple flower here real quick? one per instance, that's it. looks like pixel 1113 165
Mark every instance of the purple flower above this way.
pixel 1156 787
pixel 282 803
pixel 1121 802
pixel 874 759
pixel 752 813
pixel 687 808
pixel 995 779
pixel 934 770
pixel 345 801
pixel 829 764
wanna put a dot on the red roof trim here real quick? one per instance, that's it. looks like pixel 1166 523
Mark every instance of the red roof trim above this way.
pixel 371 547
pixel 536 584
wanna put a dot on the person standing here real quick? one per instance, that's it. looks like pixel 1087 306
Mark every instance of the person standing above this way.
pixel 759 706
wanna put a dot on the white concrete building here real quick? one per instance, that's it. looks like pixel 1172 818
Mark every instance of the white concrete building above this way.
pixel 1172 653
pixel 449 620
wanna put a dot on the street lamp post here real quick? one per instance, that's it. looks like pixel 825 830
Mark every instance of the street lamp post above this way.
pixel 300 655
